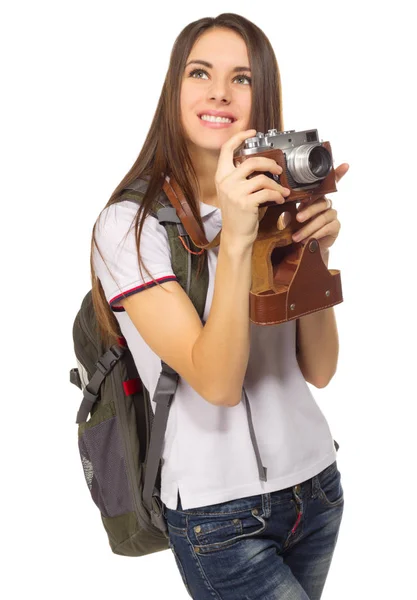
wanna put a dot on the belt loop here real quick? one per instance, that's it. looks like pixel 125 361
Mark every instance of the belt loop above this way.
pixel 266 505
pixel 315 486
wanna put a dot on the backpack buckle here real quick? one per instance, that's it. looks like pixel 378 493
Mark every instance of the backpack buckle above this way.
pixel 117 351
pixel 166 386
pixel 167 369
pixel 75 378
pixel 106 362
pixel 157 515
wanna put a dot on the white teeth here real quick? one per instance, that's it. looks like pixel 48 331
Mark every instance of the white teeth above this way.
pixel 216 119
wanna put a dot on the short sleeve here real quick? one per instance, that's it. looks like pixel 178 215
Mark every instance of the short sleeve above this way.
pixel 118 266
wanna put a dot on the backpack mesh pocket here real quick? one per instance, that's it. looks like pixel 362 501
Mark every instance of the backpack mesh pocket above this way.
pixel 104 464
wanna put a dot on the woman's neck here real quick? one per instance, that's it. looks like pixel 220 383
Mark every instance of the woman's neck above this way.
pixel 205 166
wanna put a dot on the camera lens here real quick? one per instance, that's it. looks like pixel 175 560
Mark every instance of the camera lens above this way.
pixel 319 162
pixel 309 163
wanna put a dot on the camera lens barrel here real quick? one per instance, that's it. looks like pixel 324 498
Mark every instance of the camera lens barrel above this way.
pixel 309 163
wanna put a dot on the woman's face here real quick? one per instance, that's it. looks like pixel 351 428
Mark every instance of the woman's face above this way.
pixel 217 81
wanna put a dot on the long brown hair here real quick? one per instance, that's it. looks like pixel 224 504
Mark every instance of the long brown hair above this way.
pixel 165 151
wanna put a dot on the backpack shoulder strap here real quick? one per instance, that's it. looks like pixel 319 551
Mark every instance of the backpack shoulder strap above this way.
pixel 185 264
pixel 184 254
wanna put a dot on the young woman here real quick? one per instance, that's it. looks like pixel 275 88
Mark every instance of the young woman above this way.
pixel 234 535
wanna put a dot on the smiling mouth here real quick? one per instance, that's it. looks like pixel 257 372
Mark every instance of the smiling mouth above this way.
pixel 213 119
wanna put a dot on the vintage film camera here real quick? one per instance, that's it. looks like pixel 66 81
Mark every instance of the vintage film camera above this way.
pixel 290 279
pixel 307 161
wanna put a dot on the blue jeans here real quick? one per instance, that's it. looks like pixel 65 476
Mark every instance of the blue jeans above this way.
pixel 272 546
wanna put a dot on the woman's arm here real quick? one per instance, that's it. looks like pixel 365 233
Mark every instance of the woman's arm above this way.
pixel 317 339
pixel 318 344
pixel 212 359
pixel 221 352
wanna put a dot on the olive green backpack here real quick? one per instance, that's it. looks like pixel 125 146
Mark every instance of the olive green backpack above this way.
pixel 120 440
pixel 120 457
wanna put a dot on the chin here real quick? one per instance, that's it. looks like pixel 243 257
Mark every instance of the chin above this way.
pixel 202 145
pixel 214 144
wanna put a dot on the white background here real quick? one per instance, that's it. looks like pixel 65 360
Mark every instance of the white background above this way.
pixel 80 83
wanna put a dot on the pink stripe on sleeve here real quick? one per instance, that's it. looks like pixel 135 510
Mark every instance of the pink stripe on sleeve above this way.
pixel 137 289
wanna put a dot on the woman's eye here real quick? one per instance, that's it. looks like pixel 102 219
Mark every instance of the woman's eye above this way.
pixel 197 72
pixel 248 79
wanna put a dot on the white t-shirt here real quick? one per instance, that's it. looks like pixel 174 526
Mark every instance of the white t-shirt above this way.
pixel 208 456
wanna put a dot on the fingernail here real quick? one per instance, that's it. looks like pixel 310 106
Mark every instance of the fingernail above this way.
pixel 286 191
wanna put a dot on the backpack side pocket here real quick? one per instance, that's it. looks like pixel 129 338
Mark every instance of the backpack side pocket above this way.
pixel 103 461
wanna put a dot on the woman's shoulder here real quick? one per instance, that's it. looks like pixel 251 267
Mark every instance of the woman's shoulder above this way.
pixel 116 226
pixel 121 217
pixel 115 221
pixel 123 211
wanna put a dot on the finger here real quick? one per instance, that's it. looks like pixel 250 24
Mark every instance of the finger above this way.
pixel 225 163
pixel 308 201
pixel 322 220
pixel 266 196
pixel 263 182
pixel 326 242
pixel 332 228
pixel 341 171
pixel 323 202
pixel 327 234
pixel 258 164
pixel 306 212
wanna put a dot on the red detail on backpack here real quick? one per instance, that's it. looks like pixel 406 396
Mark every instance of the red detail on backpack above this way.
pixel 122 342
pixel 132 386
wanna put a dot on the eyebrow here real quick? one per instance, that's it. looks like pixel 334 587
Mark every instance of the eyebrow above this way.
pixel 210 66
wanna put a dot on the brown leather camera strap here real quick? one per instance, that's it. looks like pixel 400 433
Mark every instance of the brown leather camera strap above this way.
pixel 179 202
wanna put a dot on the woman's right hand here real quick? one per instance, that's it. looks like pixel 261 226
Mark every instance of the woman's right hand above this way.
pixel 238 197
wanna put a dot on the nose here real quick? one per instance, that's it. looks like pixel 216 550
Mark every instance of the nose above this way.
pixel 223 98
pixel 220 92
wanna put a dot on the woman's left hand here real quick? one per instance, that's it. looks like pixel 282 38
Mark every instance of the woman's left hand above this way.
pixel 323 223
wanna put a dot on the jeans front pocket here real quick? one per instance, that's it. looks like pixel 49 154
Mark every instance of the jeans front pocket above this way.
pixel 215 532
pixel 330 486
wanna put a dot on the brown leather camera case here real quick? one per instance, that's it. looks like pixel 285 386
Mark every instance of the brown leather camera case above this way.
pixel 289 279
